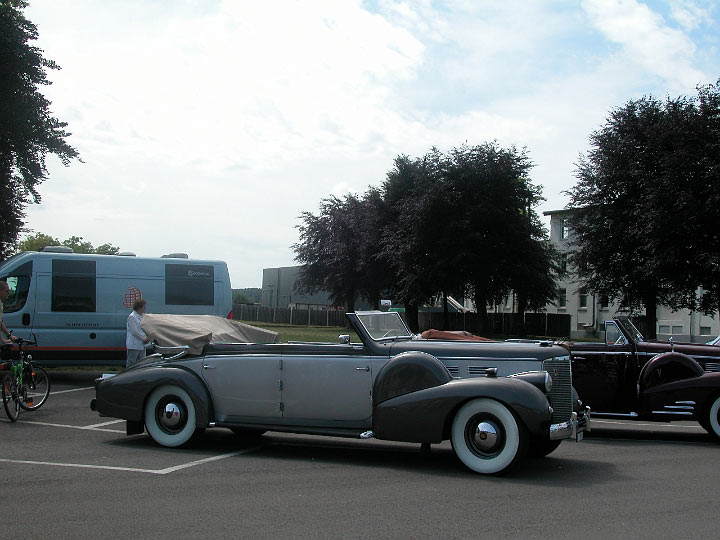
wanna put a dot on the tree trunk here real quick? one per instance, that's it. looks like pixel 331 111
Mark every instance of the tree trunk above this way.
pixel 481 308
pixel 446 315
pixel 520 314
pixel 411 317
pixel 350 301
pixel 650 302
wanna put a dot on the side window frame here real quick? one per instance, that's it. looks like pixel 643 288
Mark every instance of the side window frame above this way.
pixel 620 335
pixel 68 277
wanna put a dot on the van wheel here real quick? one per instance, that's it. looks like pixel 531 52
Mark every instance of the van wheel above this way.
pixel 486 436
pixel 711 422
pixel 170 416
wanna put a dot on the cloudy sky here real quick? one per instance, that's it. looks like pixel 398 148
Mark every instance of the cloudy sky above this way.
pixel 208 126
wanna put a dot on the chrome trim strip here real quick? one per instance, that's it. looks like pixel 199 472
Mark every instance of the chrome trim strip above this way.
pixel 619 415
pixel 682 407
pixel 489 358
pixel 682 413
pixel 686 403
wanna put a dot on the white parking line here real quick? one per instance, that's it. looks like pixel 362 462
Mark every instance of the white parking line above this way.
pixel 49 424
pixel 166 470
pixel 71 390
pixel 104 424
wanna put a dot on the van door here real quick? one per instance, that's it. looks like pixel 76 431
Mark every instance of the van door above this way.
pixel 19 308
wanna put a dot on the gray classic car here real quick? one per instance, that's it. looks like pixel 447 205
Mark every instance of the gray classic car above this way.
pixel 494 401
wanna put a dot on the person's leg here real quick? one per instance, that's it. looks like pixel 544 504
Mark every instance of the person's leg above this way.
pixel 132 357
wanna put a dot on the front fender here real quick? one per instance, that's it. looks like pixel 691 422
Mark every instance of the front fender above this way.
pixel 123 396
pixel 424 416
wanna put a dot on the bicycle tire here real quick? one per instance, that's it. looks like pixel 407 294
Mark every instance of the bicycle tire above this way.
pixel 11 396
pixel 36 384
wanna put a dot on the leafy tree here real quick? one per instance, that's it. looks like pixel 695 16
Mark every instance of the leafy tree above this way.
pixel 329 250
pixel 240 298
pixel 38 241
pixel 28 131
pixel 645 220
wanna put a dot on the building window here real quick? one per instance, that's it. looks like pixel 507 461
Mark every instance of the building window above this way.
pixel 604 301
pixel 564 229
pixel 582 298
pixel 73 285
pixel 563 263
pixel 562 298
pixel 189 285
pixel 705 331
pixel 677 330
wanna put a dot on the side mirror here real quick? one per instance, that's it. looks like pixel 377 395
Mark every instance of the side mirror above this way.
pixel 344 339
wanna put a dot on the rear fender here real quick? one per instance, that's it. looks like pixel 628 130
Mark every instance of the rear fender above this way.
pixel 686 368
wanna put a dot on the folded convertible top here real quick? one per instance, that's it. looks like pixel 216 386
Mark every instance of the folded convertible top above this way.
pixel 196 331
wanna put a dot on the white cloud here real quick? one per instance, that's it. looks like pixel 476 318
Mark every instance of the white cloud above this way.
pixel 647 40
pixel 208 128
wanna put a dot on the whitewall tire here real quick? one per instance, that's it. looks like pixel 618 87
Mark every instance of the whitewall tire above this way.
pixel 170 416
pixel 713 419
pixel 486 436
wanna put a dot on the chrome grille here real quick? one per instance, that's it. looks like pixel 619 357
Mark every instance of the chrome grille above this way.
pixel 712 366
pixel 561 394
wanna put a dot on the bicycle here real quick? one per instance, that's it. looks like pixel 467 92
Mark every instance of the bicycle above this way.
pixel 24 385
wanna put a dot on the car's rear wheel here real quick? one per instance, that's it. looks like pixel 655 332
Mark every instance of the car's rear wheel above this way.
pixel 170 416
pixel 711 422
pixel 486 436
pixel 542 448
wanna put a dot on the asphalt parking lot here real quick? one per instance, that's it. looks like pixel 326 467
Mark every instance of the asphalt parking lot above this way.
pixel 68 473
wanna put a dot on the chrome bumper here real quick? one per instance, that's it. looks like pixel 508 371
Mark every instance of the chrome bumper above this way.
pixel 573 428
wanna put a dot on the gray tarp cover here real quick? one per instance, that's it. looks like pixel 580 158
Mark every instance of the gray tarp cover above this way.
pixel 196 331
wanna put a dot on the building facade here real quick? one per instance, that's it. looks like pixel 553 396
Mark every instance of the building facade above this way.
pixel 589 312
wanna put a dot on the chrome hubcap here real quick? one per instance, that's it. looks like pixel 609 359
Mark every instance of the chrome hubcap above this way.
pixel 171 416
pixel 485 436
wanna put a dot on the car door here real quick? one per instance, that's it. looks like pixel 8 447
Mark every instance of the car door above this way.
pixel 244 387
pixel 327 384
pixel 601 371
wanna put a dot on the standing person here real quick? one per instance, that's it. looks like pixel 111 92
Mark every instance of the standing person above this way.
pixel 4 332
pixel 136 338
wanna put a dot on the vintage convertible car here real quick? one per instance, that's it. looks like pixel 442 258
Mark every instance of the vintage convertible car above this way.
pixel 391 386
pixel 630 377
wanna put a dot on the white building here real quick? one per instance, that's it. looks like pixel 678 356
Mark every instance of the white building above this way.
pixel 589 312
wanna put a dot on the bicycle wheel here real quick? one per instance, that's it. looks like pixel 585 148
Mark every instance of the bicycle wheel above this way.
pixel 11 396
pixel 36 388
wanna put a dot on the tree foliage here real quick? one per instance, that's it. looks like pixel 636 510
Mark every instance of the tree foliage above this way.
pixel 39 241
pixel 455 223
pixel 646 205
pixel 28 131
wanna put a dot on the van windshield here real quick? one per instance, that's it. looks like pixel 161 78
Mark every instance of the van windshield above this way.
pixel 18 281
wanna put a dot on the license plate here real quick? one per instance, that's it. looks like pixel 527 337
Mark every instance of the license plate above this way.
pixel 579 436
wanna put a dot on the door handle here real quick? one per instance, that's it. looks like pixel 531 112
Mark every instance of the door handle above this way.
pixel 26 319
pixel 366 368
pixel 208 367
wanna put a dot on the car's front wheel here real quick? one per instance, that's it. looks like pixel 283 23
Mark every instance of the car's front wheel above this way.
pixel 170 416
pixel 486 436
pixel 711 422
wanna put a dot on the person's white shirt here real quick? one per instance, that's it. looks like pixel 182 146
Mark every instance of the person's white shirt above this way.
pixel 135 335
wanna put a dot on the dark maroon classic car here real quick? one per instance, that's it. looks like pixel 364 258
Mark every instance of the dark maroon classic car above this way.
pixel 629 377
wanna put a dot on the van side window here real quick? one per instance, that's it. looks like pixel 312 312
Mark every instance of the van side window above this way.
pixel 189 285
pixel 19 283
pixel 73 285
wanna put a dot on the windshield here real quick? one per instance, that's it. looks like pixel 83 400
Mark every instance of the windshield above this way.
pixel 631 329
pixel 384 325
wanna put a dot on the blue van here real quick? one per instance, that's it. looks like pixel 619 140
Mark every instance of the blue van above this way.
pixel 76 306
